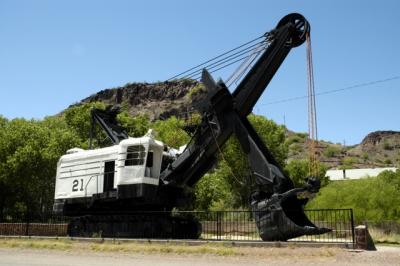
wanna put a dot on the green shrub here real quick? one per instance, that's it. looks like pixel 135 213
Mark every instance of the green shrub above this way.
pixel 387 146
pixel 348 162
pixel 331 151
pixel 388 161
pixel 296 148
pixel 196 89
pixel 374 199
pixel 293 139
pixel 302 135
pixel 299 171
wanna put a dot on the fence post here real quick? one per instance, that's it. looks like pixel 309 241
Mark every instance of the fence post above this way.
pixel 27 224
pixel 219 225
pixel 352 228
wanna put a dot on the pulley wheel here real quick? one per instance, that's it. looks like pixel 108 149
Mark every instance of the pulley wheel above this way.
pixel 300 29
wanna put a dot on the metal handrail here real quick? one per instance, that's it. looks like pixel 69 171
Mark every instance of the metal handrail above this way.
pixel 97 187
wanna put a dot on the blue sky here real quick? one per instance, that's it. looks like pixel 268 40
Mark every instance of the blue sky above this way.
pixel 54 53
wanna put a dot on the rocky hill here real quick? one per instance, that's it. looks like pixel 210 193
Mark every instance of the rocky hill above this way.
pixel 164 99
pixel 378 149
pixel 156 100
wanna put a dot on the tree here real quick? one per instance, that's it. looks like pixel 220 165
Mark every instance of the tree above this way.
pixel 273 135
pixel 213 191
pixel 3 121
pixel 374 199
pixel 29 153
pixel 171 132
pixel 78 118
pixel 299 171
pixel 233 165
pixel 135 126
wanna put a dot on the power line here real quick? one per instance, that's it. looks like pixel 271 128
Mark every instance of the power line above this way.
pixel 182 114
pixel 333 91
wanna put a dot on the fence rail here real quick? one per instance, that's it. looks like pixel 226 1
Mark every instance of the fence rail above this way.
pixel 216 225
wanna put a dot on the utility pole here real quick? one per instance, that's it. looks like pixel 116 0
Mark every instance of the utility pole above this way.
pixel 284 120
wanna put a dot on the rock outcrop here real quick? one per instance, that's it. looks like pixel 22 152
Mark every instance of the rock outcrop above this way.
pixel 156 100
pixel 375 138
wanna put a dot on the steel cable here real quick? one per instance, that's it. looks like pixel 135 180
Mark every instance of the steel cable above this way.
pixel 229 55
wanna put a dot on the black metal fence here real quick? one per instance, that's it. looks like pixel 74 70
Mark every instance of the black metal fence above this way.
pixel 215 225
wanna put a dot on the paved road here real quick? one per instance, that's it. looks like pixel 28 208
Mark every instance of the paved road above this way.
pixel 26 257
pixel 31 257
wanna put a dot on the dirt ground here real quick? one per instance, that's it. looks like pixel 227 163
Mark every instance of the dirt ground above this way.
pixel 385 255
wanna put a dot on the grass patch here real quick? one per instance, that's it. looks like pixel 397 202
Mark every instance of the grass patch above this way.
pixel 214 249
pixel 36 244
pixel 143 248
pixel 149 248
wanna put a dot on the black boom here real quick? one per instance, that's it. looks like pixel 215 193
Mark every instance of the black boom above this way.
pixel 278 212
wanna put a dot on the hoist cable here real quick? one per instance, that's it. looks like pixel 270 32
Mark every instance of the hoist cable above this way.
pixel 212 59
pixel 222 61
pixel 312 113
pixel 198 75
pixel 243 67
pixel 217 57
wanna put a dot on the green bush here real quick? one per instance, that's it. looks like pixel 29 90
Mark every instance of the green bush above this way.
pixel 348 162
pixel 293 139
pixel 388 161
pixel 299 171
pixel 171 132
pixel 374 199
pixel 302 135
pixel 387 146
pixel 331 151
pixel 295 148
pixel 196 89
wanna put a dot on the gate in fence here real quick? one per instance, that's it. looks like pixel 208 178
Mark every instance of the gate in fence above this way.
pixel 216 225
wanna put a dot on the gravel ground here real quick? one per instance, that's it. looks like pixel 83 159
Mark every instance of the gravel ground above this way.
pixel 252 256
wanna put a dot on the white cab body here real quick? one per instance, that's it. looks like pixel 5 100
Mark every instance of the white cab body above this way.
pixel 82 173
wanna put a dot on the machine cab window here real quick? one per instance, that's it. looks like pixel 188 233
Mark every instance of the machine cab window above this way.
pixel 143 156
pixel 135 155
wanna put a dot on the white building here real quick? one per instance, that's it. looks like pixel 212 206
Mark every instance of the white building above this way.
pixel 356 173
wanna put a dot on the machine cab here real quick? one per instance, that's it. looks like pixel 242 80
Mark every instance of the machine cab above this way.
pixel 139 164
